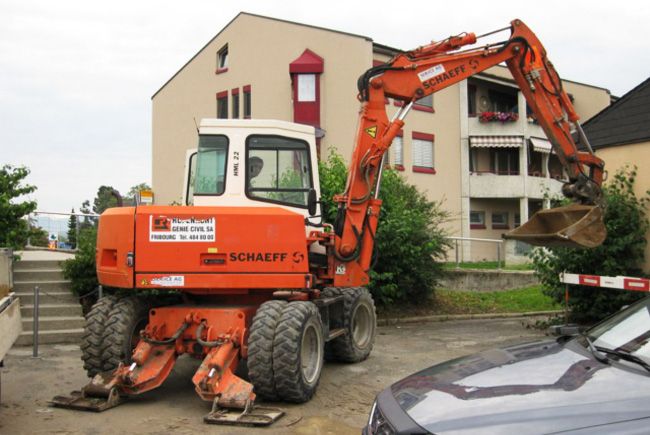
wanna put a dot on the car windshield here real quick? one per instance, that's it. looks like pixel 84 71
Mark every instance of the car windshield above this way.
pixel 626 332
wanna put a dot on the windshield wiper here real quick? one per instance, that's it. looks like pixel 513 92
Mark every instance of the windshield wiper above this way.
pixel 595 351
pixel 627 356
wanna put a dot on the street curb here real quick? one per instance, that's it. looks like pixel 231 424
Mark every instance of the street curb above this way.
pixel 447 317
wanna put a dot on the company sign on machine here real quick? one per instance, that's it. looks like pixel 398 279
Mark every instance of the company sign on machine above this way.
pixel 176 229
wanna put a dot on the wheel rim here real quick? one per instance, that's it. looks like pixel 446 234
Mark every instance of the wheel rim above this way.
pixel 362 325
pixel 311 358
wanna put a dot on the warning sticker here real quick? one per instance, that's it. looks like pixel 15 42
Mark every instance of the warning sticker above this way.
pixel 435 70
pixel 372 131
pixel 175 229
pixel 169 281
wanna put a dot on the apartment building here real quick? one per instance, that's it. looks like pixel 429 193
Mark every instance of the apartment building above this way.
pixel 472 146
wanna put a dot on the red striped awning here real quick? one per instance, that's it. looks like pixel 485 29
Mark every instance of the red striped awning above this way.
pixel 496 141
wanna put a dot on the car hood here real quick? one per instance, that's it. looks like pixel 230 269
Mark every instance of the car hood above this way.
pixel 540 387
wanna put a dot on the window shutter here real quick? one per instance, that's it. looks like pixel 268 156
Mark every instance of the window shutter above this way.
pixel 422 153
pixel 398 151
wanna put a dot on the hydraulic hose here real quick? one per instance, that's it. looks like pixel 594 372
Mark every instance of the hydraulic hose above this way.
pixel 173 338
pixel 199 332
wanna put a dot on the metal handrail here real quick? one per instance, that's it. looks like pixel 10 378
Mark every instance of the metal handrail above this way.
pixel 65 214
pixel 498 242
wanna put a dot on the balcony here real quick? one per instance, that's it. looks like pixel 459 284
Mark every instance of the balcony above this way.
pixel 521 127
pixel 490 185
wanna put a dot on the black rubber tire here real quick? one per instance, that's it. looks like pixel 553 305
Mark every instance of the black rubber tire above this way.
pixel 93 337
pixel 347 348
pixel 260 348
pixel 127 317
pixel 299 319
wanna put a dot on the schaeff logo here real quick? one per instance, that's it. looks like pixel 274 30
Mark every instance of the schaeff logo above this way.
pixel 268 257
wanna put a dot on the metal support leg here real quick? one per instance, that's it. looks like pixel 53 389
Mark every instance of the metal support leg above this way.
pixel 457 256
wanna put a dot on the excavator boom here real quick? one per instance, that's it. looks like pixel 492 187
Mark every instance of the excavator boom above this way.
pixel 412 75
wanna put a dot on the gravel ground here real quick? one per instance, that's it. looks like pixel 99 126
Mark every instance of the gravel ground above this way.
pixel 340 406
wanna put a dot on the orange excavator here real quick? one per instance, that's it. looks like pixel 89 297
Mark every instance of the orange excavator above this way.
pixel 261 285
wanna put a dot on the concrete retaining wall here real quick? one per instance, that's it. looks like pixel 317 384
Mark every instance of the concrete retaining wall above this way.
pixel 487 280
pixel 6 278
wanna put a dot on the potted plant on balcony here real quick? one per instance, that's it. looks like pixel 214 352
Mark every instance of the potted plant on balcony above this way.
pixel 502 117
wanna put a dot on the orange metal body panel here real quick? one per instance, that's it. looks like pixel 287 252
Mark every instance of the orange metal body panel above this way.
pixel 203 249
pixel 115 240
pixel 202 283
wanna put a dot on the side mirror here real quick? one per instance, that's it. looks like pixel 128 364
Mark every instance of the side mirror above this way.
pixel 312 202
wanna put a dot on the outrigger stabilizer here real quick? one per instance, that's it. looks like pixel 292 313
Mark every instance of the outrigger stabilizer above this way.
pixel 216 334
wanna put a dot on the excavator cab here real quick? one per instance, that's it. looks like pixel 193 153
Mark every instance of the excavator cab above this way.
pixel 571 226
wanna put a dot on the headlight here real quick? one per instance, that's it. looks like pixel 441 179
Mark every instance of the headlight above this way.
pixel 377 424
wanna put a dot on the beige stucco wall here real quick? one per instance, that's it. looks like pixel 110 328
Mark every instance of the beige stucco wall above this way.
pixel 637 154
pixel 485 250
pixel 260 51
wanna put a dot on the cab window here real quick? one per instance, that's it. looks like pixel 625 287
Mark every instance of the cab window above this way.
pixel 210 176
pixel 278 170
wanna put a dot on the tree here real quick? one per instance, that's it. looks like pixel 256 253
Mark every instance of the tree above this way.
pixel 409 236
pixel 133 192
pixel 105 199
pixel 622 253
pixel 86 222
pixel 72 229
pixel 14 228
pixel 38 237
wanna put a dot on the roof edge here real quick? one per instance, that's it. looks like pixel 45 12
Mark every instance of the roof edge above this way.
pixel 257 16
pixel 618 101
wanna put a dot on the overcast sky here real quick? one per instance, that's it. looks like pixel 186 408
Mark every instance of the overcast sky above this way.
pixel 76 77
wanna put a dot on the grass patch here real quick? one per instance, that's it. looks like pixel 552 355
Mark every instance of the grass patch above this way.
pixel 465 302
pixel 509 301
pixel 488 265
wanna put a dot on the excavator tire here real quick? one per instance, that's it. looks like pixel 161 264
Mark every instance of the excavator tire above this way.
pixel 298 349
pixel 360 323
pixel 260 348
pixel 127 317
pixel 93 337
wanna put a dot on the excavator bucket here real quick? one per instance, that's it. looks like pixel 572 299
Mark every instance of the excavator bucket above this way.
pixel 571 226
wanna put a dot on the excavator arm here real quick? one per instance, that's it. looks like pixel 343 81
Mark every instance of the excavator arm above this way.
pixel 426 70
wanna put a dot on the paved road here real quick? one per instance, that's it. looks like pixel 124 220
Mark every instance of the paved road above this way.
pixel 340 406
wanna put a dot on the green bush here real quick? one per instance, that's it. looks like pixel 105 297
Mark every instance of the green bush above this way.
pixel 622 253
pixel 80 270
pixel 409 236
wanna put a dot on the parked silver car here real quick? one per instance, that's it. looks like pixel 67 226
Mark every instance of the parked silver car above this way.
pixel 596 383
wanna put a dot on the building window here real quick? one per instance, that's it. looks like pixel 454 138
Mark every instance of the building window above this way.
pixel 397 151
pixel 500 220
pixel 477 220
pixel 504 161
pixel 503 102
pixel 235 103
pixel 425 104
pixel 422 146
pixel 517 220
pixel 222 59
pixel 222 105
pixel 471 100
pixel 306 88
pixel 278 170
pixel 247 102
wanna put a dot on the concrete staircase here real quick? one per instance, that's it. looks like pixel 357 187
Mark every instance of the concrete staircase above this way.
pixel 60 317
